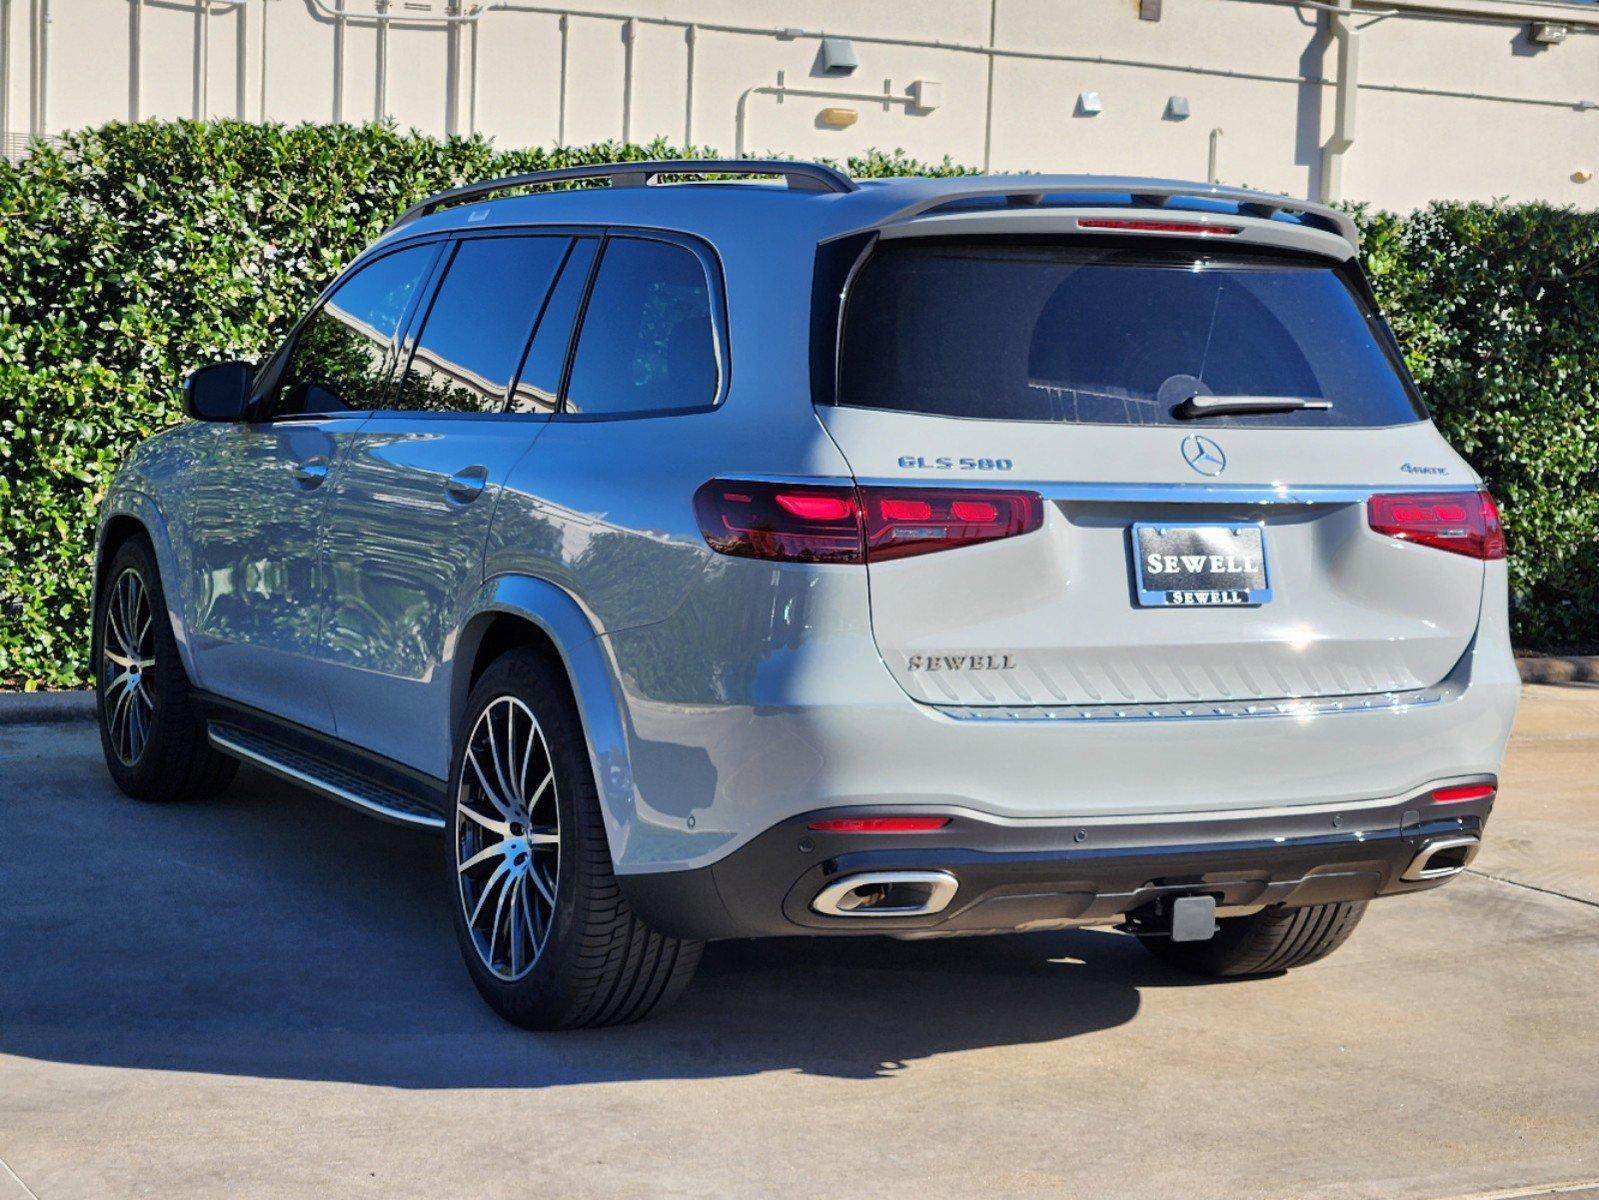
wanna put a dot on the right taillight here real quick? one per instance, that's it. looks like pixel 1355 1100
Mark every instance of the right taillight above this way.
pixel 843 524
pixel 1460 522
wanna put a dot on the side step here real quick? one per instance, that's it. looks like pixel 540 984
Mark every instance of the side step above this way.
pixel 331 781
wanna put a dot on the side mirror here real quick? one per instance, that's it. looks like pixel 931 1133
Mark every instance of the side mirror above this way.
pixel 220 392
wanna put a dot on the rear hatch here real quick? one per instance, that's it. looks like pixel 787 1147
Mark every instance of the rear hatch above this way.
pixel 1204 426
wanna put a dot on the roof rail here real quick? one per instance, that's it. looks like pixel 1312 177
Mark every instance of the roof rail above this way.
pixel 800 177
pixel 1154 193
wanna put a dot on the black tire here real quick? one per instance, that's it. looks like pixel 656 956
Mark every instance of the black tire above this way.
pixel 598 963
pixel 174 761
pixel 1273 940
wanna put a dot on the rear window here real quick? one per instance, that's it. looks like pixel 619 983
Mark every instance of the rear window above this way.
pixel 1112 336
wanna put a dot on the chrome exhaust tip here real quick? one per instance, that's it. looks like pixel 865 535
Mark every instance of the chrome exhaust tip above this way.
pixel 1442 858
pixel 887 894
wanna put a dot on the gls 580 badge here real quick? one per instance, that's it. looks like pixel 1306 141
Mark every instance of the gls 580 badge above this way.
pixel 918 462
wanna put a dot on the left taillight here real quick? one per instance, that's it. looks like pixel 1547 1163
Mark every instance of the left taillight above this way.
pixel 1460 522
pixel 842 524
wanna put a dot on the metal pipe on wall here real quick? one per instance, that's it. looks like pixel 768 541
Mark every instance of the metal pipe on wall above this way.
pixel 629 38
pixel 380 104
pixel 1346 85
pixel 262 114
pixel 202 59
pixel 135 59
pixel 988 100
pixel 5 75
pixel 39 116
pixel 690 36
pixel 560 111
pixel 338 61
pixel 781 89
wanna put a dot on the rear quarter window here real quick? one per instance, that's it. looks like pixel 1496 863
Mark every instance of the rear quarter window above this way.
pixel 1113 335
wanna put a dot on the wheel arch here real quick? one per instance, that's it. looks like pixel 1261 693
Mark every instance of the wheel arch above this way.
pixel 129 514
pixel 514 611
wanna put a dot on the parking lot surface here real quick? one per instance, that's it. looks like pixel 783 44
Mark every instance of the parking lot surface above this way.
pixel 260 996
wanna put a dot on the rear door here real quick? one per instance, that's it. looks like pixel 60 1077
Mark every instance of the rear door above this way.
pixel 1186 554
pixel 410 512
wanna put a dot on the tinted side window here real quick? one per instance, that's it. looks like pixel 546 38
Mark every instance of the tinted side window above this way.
pixel 340 360
pixel 479 322
pixel 540 379
pixel 646 344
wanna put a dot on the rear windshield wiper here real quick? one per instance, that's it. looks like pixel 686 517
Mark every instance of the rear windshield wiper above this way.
pixel 1197 406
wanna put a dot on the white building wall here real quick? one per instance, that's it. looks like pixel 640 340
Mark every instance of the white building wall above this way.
pixel 1452 98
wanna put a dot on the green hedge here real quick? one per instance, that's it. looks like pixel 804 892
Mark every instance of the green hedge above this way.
pixel 132 253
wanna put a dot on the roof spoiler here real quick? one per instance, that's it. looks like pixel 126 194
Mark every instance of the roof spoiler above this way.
pixel 799 176
pixel 1145 194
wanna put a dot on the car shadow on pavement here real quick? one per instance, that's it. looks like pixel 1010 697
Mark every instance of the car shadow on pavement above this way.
pixel 270 933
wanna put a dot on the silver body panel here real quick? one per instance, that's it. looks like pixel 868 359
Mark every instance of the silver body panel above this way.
pixel 721 696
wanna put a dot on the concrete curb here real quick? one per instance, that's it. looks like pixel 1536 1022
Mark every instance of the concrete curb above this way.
pixel 1560 668
pixel 39 708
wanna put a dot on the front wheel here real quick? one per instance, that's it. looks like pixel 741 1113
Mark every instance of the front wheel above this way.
pixel 1275 939
pixel 155 745
pixel 541 921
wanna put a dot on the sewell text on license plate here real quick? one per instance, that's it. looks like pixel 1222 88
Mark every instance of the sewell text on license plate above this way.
pixel 1214 565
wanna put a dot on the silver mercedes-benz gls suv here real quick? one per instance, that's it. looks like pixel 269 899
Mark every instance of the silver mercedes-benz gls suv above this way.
pixel 725 558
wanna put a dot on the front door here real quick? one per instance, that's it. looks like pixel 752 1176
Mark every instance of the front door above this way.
pixel 410 512
pixel 255 588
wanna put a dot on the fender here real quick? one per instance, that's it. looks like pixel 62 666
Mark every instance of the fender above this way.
pixel 125 500
pixel 599 700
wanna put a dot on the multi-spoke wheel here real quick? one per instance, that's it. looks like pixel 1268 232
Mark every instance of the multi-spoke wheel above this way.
pixel 127 660
pixel 155 747
pixel 508 838
pixel 545 932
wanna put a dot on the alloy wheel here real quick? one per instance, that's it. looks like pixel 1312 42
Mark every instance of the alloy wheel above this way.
pixel 127 661
pixel 507 838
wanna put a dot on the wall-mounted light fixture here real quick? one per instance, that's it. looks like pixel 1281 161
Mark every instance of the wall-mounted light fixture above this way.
pixel 1547 33
pixel 1089 104
pixel 838 56
pixel 1581 176
pixel 925 94
pixel 1177 108
pixel 839 118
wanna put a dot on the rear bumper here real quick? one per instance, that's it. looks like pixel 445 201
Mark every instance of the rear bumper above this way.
pixel 1020 875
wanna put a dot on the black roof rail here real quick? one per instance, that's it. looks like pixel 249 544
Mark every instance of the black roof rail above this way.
pixel 800 177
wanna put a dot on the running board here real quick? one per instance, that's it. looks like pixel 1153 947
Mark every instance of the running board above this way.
pixel 333 782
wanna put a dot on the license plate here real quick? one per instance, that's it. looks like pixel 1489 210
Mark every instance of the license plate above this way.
pixel 1217 565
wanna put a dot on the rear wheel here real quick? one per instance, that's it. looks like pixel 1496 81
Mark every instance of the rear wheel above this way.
pixel 1275 939
pixel 155 746
pixel 542 924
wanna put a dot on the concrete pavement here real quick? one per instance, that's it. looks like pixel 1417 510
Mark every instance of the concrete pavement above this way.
pixel 261 997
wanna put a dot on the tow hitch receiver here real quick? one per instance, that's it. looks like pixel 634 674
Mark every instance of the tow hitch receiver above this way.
pixel 1193 918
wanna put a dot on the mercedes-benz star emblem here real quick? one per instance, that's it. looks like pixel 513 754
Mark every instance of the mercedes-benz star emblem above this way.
pixel 1204 455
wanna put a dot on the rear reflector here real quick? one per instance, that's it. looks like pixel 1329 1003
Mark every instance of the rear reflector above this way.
pixel 1470 791
pixel 1188 228
pixel 880 824
pixel 1460 522
pixel 843 524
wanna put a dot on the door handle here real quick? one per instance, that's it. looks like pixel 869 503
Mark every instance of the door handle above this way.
pixel 311 472
pixel 466 485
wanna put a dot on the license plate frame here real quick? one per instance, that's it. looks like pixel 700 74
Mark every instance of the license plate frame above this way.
pixel 1207 540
